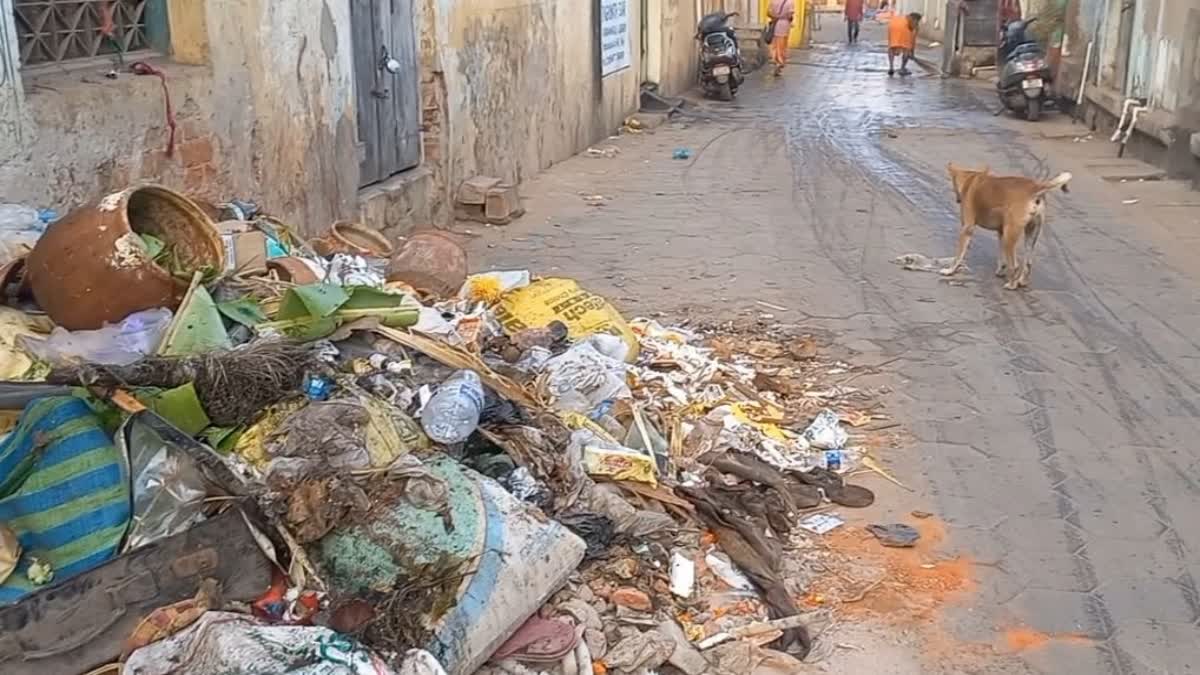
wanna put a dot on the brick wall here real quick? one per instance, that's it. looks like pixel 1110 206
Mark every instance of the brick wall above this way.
pixel 192 168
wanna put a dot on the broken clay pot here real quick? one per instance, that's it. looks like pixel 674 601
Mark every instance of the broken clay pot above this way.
pixel 294 270
pixel 91 268
pixel 431 263
pixel 352 238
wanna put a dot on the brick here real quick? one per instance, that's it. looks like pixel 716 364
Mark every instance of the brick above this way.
pixel 632 598
pixel 432 146
pixel 474 190
pixel 502 204
pixel 191 130
pixel 196 152
pixel 194 179
pixel 154 162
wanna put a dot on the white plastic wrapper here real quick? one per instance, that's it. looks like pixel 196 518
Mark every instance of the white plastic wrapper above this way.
pixel 478 286
pixel 356 270
pixel 826 432
pixel 121 344
pixel 585 376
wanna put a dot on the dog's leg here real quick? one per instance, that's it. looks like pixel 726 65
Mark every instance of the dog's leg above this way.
pixel 1001 265
pixel 1032 230
pixel 964 240
pixel 1009 240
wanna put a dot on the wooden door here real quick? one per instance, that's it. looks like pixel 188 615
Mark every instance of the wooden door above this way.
pixel 387 91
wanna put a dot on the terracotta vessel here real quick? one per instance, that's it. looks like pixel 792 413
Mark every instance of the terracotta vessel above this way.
pixel 346 237
pixel 431 263
pixel 90 267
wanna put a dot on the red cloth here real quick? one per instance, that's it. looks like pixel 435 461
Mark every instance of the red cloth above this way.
pixel 854 10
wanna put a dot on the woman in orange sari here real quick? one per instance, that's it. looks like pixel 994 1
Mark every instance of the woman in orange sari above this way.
pixel 781 13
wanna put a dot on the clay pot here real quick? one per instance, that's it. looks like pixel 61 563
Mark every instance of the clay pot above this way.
pixel 431 263
pixel 352 238
pixel 89 268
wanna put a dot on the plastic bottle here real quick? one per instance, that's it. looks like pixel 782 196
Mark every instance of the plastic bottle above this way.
pixel 453 412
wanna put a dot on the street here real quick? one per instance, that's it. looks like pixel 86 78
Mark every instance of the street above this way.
pixel 1050 431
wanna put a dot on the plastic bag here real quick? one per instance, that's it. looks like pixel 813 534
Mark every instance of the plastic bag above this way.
pixel 223 642
pixel 583 377
pixel 826 432
pixel 546 300
pixel 20 228
pixel 168 488
pixel 135 337
pixel 357 270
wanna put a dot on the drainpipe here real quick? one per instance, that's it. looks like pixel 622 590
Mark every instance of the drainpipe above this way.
pixel 1132 108
pixel 1087 66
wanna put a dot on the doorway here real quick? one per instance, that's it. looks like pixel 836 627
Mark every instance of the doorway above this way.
pixel 387 91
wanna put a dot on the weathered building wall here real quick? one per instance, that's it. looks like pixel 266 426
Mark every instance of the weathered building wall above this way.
pixel 1146 49
pixel 264 93
pixel 266 114
pixel 680 49
pixel 522 85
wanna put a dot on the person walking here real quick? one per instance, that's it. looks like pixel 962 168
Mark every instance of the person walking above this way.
pixel 854 17
pixel 781 13
pixel 902 41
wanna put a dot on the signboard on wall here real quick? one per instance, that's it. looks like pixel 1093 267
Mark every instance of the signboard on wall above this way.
pixel 615 52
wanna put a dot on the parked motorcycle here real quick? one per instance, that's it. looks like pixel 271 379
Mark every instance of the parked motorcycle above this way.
pixel 721 70
pixel 1024 76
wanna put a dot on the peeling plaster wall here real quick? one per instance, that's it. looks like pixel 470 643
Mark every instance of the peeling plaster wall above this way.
pixel 680 50
pixel 522 90
pixel 1163 61
pixel 268 117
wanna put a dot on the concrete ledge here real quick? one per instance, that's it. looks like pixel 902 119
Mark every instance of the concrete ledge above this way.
pixel 1154 123
pixel 399 204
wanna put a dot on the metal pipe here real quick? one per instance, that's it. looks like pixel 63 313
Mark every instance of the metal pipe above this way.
pixel 1133 107
pixel 1121 122
pixel 1087 65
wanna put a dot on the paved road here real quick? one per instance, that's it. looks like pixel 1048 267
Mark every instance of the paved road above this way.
pixel 1055 430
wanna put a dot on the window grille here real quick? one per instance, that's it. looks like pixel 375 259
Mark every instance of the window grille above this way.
pixel 54 31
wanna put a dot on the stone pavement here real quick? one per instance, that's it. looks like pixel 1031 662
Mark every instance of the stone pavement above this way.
pixel 1053 430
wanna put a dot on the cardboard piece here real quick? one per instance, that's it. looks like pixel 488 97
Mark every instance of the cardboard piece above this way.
pixel 247 248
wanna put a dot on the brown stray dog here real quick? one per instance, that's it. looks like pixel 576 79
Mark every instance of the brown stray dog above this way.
pixel 1012 206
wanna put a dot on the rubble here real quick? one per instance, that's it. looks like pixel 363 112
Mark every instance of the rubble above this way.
pixel 443 469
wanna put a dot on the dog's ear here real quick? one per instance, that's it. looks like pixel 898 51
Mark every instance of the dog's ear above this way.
pixel 951 169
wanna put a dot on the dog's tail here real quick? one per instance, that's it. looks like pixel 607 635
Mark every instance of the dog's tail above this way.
pixel 1059 181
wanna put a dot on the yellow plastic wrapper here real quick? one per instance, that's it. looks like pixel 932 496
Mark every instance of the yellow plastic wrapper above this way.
pixel 252 444
pixel 759 416
pixel 619 464
pixel 548 300
pixel 15 362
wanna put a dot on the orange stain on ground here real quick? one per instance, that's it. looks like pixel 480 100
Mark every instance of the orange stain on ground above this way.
pixel 1024 638
pixel 914 582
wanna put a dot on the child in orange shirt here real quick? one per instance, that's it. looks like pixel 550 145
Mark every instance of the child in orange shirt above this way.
pixel 902 41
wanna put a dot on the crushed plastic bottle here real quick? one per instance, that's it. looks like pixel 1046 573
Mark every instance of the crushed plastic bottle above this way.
pixel 452 414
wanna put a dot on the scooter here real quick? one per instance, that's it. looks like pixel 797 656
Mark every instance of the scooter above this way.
pixel 720 58
pixel 1024 80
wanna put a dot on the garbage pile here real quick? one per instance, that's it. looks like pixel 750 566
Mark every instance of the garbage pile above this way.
pixel 344 456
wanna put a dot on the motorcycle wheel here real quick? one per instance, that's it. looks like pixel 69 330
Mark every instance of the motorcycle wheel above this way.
pixel 1033 110
pixel 725 92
